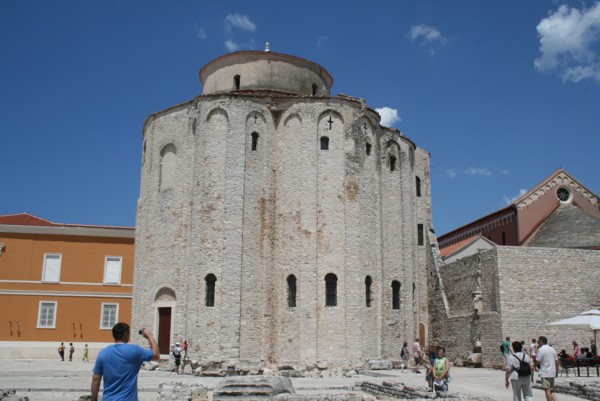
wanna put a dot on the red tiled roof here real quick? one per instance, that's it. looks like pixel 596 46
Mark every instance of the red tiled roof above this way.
pixel 454 247
pixel 25 219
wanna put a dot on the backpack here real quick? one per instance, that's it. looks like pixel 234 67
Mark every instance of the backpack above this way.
pixel 524 368
pixel 176 354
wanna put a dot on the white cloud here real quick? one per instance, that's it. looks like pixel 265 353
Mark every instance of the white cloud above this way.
pixel 320 41
pixel 426 33
pixel 451 172
pixel 478 171
pixel 566 39
pixel 234 46
pixel 200 32
pixel 240 22
pixel 231 45
pixel 508 201
pixel 504 172
pixel 389 116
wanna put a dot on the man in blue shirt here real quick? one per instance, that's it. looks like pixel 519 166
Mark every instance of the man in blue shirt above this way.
pixel 119 365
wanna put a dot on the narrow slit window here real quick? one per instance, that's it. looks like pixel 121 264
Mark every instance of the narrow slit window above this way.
pixel 420 236
pixel 291 281
pixel 368 148
pixel 392 163
pixel 210 280
pixel 324 143
pixel 368 282
pixel 236 82
pixel 395 294
pixel 418 184
pixel 254 140
pixel 330 290
pixel 315 89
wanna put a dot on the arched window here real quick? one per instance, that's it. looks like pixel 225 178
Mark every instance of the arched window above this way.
pixel 291 281
pixel 418 183
pixel 330 290
pixel 392 163
pixel 368 149
pixel 236 82
pixel 168 165
pixel 254 140
pixel 210 280
pixel 315 89
pixel 324 143
pixel 368 282
pixel 395 294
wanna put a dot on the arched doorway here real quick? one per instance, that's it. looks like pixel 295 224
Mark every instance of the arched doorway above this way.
pixel 164 304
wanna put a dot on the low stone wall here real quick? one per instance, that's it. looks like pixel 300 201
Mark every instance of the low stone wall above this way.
pixel 401 391
pixel 324 397
pixel 588 391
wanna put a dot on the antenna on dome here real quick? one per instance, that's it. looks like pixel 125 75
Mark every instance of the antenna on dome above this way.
pixel 267 47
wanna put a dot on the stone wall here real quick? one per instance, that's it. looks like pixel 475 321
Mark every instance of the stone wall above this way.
pixel 254 216
pixel 522 289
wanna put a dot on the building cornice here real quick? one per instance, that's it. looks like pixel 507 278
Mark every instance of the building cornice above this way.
pixel 83 231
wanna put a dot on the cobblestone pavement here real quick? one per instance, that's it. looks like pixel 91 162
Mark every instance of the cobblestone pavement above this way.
pixel 45 380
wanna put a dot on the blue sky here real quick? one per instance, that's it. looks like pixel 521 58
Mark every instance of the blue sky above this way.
pixel 501 93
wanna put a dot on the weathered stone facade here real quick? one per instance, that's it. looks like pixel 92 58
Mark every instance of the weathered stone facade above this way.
pixel 521 289
pixel 269 185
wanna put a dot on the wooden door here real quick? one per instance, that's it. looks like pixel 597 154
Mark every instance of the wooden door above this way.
pixel 164 330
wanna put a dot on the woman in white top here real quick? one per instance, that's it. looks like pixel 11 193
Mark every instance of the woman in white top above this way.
pixel 521 382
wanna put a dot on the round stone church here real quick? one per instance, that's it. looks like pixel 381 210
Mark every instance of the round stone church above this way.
pixel 279 224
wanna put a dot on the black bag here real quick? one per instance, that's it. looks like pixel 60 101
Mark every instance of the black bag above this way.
pixel 524 368
pixel 502 348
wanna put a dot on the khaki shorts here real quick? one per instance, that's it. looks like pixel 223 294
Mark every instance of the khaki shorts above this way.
pixel 548 382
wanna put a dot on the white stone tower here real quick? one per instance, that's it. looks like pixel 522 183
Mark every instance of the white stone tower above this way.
pixel 279 224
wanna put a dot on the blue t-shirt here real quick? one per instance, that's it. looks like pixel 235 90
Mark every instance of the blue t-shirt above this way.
pixel 119 365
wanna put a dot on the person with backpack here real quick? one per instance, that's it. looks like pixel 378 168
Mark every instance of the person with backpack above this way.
pixel 519 368
pixel 177 357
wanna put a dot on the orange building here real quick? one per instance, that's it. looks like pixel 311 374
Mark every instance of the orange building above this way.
pixel 61 283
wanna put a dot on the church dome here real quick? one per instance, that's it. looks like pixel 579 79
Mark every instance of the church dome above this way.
pixel 265 71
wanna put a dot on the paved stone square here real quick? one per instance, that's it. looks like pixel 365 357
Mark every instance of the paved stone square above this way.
pixel 49 380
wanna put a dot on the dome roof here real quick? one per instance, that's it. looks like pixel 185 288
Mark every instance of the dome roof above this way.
pixel 264 70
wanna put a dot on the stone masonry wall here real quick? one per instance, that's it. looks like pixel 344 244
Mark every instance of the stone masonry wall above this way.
pixel 254 216
pixel 522 289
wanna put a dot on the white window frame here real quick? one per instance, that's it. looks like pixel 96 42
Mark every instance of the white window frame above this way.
pixel 45 268
pixel 106 278
pixel 110 326
pixel 53 326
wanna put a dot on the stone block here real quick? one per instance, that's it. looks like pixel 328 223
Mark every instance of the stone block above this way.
pixel 252 388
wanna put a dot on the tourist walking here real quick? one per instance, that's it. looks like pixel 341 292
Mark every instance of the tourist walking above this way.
pixel 519 372
pixel 404 354
pixel 548 364
pixel 533 349
pixel 418 355
pixel 506 350
pixel 85 353
pixel 61 351
pixel 71 351
pixel 119 364
pixel 185 349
